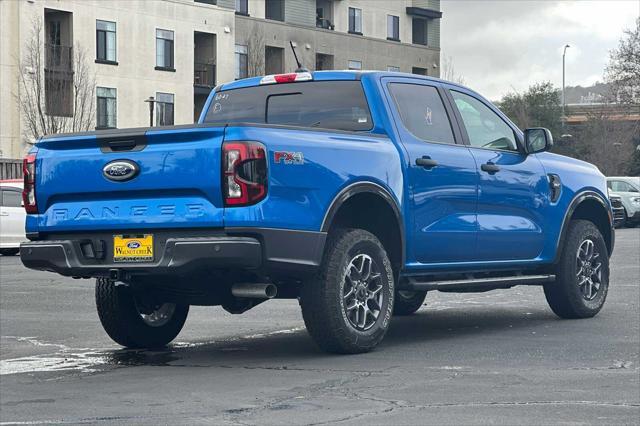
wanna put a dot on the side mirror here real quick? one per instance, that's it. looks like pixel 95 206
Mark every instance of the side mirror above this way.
pixel 537 139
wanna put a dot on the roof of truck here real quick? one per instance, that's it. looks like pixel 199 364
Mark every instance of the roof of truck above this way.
pixel 333 75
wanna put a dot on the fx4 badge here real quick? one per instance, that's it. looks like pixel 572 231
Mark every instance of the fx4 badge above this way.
pixel 286 157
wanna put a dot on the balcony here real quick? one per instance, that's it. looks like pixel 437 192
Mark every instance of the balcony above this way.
pixel 324 24
pixel 204 75
pixel 58 58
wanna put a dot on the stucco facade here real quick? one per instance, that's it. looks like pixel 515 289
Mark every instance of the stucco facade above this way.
pixel 207 32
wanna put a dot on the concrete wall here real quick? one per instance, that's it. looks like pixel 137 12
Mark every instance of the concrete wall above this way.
pixel 10 140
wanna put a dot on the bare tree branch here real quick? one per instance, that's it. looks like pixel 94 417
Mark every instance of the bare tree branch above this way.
pixel 54 101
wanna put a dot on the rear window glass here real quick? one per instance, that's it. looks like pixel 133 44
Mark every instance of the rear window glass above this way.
pixel 338 105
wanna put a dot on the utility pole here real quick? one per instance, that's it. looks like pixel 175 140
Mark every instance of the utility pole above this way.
pixel 564 53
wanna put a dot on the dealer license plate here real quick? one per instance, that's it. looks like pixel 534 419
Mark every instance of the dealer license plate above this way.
pixel 133 248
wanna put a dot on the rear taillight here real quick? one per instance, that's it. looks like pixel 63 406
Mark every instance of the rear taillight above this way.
pixel 244 173
pixel 29 191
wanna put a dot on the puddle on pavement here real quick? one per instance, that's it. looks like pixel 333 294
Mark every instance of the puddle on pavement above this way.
pixel 68 359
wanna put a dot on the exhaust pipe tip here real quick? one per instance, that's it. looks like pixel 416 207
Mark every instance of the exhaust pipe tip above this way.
pixel 255 291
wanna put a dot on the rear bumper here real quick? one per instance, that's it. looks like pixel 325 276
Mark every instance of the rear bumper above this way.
pixel 178 252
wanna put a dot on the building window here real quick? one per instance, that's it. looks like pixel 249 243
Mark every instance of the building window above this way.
pixel 419 31
pixel 393 28
pixel 419 71
pixel 164 109
pixel 355 20
pixel 393 69
pixel 106 108
pixel 274 9
pixel 355 65
pixel 242 7
pixel 242 65
pixel 164 50
pixel 105 41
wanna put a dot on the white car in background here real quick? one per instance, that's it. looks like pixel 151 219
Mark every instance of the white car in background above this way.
pixel 12 217
pixel 628 188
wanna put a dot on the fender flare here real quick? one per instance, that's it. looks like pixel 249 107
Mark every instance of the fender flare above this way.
pixel 575 202
pixel 371 188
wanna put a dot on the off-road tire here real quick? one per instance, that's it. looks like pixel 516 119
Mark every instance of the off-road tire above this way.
pixel 9 251
pixel 564 295
pixel 121 318
pixel 408 302
pixel 322 298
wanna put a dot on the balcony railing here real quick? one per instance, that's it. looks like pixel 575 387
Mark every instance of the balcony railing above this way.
pixel 204 74
pixel 58 57
pixel 324 23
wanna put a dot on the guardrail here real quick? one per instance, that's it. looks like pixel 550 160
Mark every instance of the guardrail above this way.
pixel 10 169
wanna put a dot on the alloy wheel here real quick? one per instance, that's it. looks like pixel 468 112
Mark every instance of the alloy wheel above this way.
pixel 588 269
pixel 362 292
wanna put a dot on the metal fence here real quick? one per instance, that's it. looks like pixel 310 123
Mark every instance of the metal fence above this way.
pixel 10 169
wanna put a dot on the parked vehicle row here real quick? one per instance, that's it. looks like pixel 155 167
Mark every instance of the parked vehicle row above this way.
pixel 628 189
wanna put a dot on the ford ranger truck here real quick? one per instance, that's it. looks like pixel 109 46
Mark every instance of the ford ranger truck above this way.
pixel 356 193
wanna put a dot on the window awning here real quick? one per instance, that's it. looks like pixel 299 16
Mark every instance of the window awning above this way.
pixel 422 12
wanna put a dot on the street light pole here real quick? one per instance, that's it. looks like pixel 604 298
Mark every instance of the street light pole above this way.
pixel 564 52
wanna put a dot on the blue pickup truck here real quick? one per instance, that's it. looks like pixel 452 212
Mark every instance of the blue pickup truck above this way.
pixel 354 192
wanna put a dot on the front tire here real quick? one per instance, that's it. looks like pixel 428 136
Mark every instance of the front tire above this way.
pixel 133 324
pixel 9 251
pixel 582 274
pixel 347 307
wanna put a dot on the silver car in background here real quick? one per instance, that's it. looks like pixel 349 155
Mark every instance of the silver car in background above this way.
pixel 628 189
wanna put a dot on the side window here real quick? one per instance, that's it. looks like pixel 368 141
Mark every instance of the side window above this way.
pixel 621 186
pixel 11 198
pixel 485 128
pixel 422 112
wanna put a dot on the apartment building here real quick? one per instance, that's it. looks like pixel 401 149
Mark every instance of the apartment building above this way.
pixel 176 51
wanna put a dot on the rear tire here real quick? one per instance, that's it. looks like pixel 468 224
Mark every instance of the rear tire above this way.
pixel 133 326
pixel 582 274
pixel 347 307
pixel 9 251
pixel 408 302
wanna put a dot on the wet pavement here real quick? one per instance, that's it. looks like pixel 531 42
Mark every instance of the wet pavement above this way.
pixel 500 357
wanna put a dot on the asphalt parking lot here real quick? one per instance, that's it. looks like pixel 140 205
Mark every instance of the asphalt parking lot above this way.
pixel 500 357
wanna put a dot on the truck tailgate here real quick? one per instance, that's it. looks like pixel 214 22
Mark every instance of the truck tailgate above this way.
pixel 177 185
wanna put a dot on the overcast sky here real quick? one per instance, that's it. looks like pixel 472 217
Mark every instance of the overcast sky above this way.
pixel 499 46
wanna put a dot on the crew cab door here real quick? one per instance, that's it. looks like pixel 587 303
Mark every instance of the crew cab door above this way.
pixel 442 174
pixel 513 187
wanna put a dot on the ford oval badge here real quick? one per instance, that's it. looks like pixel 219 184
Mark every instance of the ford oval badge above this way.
pixel 120 170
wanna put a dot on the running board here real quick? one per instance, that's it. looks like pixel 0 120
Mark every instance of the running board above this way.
pixel 476 284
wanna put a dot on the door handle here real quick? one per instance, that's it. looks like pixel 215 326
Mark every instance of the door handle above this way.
pixel 426 162
pixel 490 168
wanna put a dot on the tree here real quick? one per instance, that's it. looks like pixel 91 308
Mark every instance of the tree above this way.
pixel 603 141
pixel 43 93
pixel 255 52
pixel 623 70
pixel 633 168
pixel 449 71
pixel 539 106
